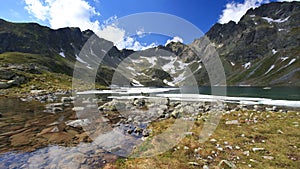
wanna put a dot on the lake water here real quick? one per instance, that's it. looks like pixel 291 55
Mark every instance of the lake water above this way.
pixel 276 93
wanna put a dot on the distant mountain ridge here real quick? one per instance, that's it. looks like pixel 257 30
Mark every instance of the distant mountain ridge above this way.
pixel 262 49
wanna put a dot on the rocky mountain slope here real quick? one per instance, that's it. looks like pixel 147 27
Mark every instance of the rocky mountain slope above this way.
pixel 262 49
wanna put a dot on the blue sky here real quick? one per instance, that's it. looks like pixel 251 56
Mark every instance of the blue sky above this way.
pixel 97 15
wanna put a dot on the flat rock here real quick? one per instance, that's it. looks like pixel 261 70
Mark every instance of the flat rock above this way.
pixel 232 122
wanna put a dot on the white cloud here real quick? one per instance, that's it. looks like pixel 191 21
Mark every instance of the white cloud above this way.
pixel 140 32
pixel 76 13
pixel 73 13
pixel 234 11
pixel 131 43
pixel 175 39
pixel 36 8
pixel 64 13
pixel 111 33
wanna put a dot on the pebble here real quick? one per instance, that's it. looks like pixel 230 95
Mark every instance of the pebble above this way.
pixel 213 140
pixel 205 167
pixel 220 149
pixel 186 148
pixel 247 153
pixel 232 122
pixel 268 157
pixel 254 161
pixel 257 149
pixel 193 163
pixel 279 132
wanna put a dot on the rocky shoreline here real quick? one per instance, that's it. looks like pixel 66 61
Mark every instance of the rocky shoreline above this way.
pixel 60 123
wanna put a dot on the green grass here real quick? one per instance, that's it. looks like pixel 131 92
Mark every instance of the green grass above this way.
pixel 284 147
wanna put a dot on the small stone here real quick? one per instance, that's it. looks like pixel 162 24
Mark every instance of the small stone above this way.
pixel 146 133
pixel 247 153
pixel 186 148
pixel 257 149
pixel 188 133
pixel 237 147
pixel 210 157
pixel 254 161
pixel 226 163
pixel 193 163
pixel 205 167
pixel 235 122
pixel 175 114
pixel 279 132
pixel 78 123
pixel 213 140
pixel 268 157
pixel 55 129
pixel 78 108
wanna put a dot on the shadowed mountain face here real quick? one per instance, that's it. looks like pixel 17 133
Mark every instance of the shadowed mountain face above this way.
pixel 262 49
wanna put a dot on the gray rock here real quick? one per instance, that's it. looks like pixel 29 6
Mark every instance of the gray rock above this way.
pixel 268 157
pixel 67 99
pixel 175 114
pixel 78 123
pixel 193 163
pixel 257 149
pixel 227 163
pixel 232 122
pixel 139 102
pixel 146 132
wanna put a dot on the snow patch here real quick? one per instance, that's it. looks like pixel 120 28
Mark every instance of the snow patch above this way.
pixel 281 30
pixel 136 83
pixel 62 54
pixel 169 67
pixel 274 51
pixel 247 65
pixel 272 67
pixel 80 60
pixel 136 61
pixel 270 20
pixel 291 62
pixel 168 83
pixel 284 58
pixel 89 67
pixel 151 60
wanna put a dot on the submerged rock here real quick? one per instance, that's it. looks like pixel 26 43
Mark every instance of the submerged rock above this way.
pixel 78 123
